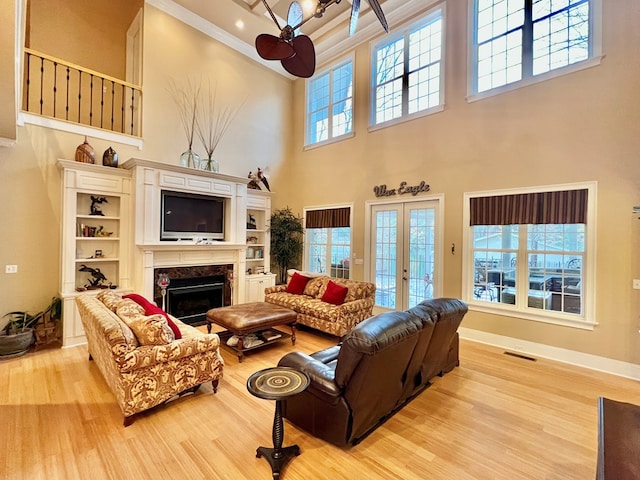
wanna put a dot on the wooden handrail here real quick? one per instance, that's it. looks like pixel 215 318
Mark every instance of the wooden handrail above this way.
pixel 82 69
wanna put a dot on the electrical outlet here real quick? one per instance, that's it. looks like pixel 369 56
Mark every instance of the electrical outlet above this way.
pixel 11 269
pixel 636 284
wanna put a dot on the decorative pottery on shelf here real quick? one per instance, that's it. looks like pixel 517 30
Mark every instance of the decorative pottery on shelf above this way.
pixel 190 159
pixel 85 153
pixel 110 158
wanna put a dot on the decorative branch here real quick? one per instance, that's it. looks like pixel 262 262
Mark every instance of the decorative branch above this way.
pixel 214 120
pixel 186 100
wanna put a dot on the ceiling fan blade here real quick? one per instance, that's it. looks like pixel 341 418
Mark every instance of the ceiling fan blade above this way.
pixel 355 11
pixel 303 62
pixel 271 47
pixel 377 9
pixel 295 16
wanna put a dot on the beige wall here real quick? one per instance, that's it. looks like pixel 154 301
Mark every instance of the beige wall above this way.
pixel 30 192
pixel 89 33
pixel 258 136
pixel 579 127
pixel 7 72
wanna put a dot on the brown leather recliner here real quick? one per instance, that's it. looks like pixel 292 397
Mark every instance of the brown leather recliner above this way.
pixel 380 365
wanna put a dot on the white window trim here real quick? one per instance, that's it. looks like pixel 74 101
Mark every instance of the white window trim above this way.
pixel 305 260
pixel 373 47
pixel 594 60
pixel 329 141
pixel 334 66
pixel 587 321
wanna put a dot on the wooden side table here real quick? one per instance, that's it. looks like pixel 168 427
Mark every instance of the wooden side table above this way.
pixel 277 384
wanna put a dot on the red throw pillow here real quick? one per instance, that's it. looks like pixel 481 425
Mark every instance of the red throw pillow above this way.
pixel 152 309
pixel 334 293
pixel 297 283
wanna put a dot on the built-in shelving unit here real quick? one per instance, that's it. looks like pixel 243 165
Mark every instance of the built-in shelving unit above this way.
pixel 258 239
pixel 95 236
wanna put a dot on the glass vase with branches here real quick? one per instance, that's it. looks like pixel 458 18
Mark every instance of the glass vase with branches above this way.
pixel 212 122
pixel 186 100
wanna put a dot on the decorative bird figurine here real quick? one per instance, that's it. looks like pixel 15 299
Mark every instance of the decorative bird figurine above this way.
pixel 263 179
pixel 256 179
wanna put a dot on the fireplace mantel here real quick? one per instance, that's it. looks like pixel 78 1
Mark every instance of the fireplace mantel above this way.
pixel 150 253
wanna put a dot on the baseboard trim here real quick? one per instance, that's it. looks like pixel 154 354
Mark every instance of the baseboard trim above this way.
pixel 571 357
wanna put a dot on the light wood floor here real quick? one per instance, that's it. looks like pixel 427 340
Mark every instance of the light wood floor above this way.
pixel 494 417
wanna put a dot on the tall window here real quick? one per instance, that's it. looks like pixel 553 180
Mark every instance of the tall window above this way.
pixel 330 104
pixel 328 241
pixel 407 71
pixel 529 252
pixel 517 40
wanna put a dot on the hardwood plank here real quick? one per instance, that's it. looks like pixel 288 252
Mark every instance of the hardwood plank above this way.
pixel 494 417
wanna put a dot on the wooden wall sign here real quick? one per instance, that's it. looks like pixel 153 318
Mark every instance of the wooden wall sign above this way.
pixel 403 189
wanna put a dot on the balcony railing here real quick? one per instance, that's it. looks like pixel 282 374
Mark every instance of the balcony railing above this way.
pixel 64 91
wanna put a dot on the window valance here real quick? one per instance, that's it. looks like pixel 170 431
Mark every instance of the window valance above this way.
pixel 557 207
pixel 328 218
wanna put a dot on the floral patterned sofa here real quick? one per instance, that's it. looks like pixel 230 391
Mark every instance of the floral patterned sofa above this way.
pixel 335 319
pixel 146 368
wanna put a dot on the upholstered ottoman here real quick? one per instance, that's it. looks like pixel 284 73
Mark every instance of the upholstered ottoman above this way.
pixel 251 324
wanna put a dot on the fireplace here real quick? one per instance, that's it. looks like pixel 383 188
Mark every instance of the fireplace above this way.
pixel 193 291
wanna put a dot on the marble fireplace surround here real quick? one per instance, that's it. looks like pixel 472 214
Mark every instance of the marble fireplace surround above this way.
pixel 193 276
pixel 152 255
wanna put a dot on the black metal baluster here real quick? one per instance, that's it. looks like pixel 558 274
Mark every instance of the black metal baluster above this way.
pixel 133 99
pixel 124 95
pixel 55 86
pixel 113 101
pixel 91 100
pixel 79 93
pixel 28 78
pixel 41 83
pixel 67 104
pixel 102 103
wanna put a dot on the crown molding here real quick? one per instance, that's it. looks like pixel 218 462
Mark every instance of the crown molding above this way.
pixel 188 17
pixel 332 47
pixel 400 11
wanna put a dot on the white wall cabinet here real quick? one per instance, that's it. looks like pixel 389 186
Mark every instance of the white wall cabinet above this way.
pixel 256 285
pixel 95 237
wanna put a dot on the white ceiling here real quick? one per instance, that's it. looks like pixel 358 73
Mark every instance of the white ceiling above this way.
pixel 330 33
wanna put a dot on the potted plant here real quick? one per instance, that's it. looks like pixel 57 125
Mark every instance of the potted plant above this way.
pixel 286 240
pixel 18 334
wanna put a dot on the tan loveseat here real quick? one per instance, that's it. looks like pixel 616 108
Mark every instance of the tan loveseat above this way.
pixel 143 376
pixel 336 320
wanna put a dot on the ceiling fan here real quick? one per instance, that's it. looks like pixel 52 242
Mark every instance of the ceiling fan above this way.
pixel 295 50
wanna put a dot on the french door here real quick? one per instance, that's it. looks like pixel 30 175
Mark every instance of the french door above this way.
pixel 404 258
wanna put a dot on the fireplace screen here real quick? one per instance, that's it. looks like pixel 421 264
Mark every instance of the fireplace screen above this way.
pixel 190 303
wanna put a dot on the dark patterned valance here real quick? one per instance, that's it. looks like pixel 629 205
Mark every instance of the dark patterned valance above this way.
pixel 566 206
pixel 328 218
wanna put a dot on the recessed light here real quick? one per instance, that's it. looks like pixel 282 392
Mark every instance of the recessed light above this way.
pixel 239 24
pixel 308 6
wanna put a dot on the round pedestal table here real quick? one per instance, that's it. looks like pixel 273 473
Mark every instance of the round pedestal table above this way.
pixel 277 384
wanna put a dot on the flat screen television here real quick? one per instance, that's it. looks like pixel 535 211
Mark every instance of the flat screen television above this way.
pixel 187 216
